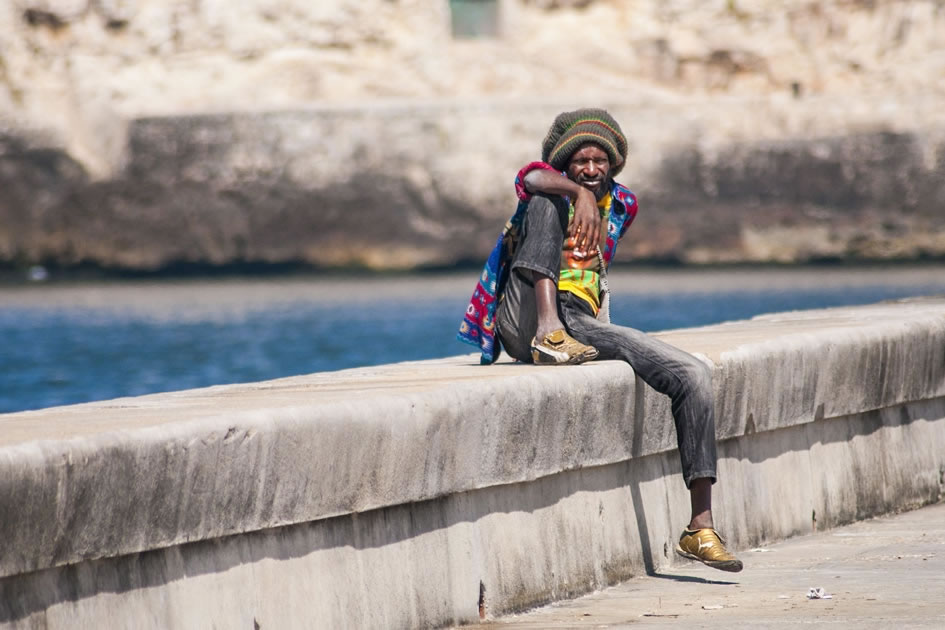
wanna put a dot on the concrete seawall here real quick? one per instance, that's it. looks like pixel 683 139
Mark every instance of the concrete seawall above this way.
pixel 415 494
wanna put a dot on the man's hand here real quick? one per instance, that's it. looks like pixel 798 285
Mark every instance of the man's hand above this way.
pixel 586 222
pixel 585 225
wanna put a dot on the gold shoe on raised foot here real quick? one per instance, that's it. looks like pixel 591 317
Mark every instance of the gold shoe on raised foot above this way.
pixel 560 348
pixel 706 546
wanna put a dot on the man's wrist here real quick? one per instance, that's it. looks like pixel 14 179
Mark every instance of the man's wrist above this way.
pixel 582 191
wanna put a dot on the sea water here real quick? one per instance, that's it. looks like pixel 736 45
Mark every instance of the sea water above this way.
pixel 63 344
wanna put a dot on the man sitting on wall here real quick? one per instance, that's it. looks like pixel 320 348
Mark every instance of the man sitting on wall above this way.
pixel 543 296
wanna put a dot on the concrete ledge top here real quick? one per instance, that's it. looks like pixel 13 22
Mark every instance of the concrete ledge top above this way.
pixel 127 475
pixel 719 343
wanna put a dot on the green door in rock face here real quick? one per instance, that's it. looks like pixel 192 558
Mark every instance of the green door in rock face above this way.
pixel 474 18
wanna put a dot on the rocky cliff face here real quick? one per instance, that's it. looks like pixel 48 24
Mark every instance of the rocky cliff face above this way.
pixel 140 134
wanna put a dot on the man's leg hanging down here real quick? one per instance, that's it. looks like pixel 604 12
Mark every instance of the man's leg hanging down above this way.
pixel 700 501
pixel 688 383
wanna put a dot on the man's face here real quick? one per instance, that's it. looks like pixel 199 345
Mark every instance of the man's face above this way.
pixel 589 167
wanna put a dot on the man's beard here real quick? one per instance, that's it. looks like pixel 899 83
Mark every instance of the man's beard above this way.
pixel 602 190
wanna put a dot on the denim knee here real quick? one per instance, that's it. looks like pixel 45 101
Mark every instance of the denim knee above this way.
pixel 697 379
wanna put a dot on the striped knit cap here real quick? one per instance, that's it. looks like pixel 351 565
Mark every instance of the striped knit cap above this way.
pixel 572 129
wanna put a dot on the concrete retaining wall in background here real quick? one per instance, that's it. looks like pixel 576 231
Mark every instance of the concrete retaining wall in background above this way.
pixel 412 185
pixel 146 135
pixel 409 495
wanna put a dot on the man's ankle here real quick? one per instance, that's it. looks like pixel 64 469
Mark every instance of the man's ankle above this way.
pixel 544 331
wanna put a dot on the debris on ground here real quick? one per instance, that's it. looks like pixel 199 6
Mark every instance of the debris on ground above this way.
pixel 818 593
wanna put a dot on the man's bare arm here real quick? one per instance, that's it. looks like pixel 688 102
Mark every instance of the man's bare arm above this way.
pixel 586 224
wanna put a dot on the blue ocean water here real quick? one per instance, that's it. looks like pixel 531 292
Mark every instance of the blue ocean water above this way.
pixel 60 348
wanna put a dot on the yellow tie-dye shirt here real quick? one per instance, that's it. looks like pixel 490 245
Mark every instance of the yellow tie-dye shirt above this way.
pixel 580 273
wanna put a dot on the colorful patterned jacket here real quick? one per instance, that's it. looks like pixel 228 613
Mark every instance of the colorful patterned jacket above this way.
pixel 478 325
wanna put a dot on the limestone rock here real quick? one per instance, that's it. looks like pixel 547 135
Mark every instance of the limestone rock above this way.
pixel 117 13
pixel 52 13
pixel 793 125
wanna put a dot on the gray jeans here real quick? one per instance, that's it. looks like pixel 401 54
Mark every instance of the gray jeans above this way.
pixel 667 369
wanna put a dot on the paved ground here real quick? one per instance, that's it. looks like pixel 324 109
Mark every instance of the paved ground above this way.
pixel 883 573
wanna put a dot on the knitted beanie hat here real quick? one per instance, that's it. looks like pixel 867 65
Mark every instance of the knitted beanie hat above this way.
pixel 572 129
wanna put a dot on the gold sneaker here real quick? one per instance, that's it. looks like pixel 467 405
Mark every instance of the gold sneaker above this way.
pixel 560 348
pixel 706 546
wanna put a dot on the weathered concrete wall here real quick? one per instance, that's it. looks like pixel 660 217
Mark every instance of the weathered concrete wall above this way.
pixel 145 133
pixel 401 186
pixel 391 496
